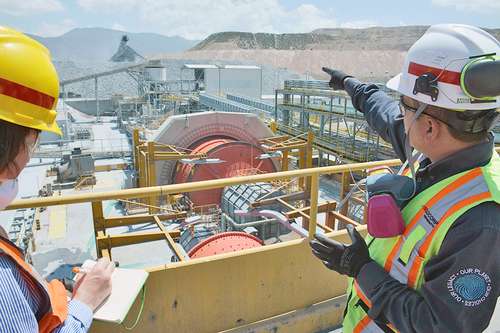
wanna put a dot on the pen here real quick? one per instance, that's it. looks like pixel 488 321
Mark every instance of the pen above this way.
pixel 80 270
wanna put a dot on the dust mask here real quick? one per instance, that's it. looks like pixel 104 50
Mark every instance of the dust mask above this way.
pixel 8 192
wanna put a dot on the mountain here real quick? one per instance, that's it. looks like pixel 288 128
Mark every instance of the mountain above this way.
pixel 374 38
pixel 99 44
pixel 374 54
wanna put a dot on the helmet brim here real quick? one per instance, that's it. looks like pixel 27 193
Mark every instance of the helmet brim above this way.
pixel 54 128
pixel 393 83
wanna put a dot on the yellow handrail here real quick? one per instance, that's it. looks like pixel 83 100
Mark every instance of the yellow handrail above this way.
pixel 195 186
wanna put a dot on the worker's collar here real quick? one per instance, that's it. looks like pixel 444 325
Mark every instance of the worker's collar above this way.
pixel 465 159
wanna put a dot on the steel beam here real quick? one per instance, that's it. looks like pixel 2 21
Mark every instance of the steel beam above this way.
pixel 121 221
pixel 169 239
pixel 104 241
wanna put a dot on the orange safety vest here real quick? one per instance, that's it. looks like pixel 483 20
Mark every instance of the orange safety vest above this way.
pixel 54 301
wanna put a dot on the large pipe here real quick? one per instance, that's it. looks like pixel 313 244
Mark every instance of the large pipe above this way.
pixel 240 226
pixel 279 217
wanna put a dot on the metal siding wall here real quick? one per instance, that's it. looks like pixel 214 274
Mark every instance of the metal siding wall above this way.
pixel 212 81
pixel 244 82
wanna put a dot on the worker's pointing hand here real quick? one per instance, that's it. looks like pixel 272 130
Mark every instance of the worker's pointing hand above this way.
pixel 336 78
pixel 342 258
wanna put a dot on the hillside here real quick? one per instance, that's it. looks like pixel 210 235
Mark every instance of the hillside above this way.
pixel 339 39
pixel 99 44
pixel 372 53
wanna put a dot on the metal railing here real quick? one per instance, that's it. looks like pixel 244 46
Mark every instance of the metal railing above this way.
pixel 99 148
pixel 313 173
pixel 268 107
pixel 307 84
pixel 223 104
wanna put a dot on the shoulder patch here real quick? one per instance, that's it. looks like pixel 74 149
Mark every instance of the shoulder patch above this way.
pixel 469 286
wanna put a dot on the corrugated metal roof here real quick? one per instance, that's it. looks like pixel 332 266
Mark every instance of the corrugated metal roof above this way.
pixel 241 67
pixel 202 66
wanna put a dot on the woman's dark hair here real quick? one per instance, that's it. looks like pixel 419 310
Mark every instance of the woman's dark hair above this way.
pixel 12 141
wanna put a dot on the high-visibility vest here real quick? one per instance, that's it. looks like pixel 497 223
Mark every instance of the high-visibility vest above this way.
pixel 54 302
pixel 428 217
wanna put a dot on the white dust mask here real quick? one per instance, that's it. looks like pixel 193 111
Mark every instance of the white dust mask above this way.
pixel 8 192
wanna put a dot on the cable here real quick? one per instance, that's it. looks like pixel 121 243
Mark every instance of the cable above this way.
pixel 143 297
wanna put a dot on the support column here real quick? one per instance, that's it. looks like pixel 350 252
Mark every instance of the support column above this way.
pixel 99 229
pixel 313 213
pixel 284 160
pixel 344 189
pixel 135 149
pixel 309 157
pixel 96 99
pixel 153 201
pixel 302 165
pixel 276 105
pixel 274 127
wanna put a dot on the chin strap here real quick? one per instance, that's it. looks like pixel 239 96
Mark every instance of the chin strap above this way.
pixel 410 159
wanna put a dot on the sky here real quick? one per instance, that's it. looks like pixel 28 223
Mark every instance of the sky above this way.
pixel 196 19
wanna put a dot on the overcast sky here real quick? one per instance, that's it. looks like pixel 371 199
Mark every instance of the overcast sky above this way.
pixel 196 19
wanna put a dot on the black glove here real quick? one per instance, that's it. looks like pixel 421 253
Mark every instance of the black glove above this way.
pixel 342 258
pixel 337 78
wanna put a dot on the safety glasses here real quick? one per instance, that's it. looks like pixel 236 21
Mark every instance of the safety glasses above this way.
pixel 404 108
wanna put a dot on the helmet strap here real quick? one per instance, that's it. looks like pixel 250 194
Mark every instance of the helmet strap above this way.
pixel 410 159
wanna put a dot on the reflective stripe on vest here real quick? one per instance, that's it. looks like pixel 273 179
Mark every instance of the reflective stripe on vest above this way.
pixel 54 304
pixel 366 325
pixel 428 218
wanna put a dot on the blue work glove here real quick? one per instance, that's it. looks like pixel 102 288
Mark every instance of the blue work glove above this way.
pixel 337 78
pixel 342 258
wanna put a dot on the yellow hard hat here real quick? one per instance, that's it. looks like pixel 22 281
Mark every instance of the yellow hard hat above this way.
pixel 29 86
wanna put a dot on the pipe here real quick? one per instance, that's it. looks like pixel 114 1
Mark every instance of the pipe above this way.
pixel 279 217
pixel 248 224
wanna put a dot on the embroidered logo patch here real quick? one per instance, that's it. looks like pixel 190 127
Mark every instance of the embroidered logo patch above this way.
pixel 469 286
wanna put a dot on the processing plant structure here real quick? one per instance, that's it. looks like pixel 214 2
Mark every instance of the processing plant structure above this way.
pixel 212 189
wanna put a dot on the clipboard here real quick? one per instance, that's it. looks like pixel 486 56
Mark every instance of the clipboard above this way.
pixel 125 286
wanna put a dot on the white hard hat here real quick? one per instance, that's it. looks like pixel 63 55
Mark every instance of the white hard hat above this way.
pixel 434 68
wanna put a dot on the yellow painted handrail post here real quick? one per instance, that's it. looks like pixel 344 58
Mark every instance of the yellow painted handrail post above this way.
pixel 313 213
pixel 136 142
pixel 140 167
pixel 151 174
pixel 344 189
pixel 309 157
pixel 274 127
pixel 98 219
pixel 302 163
pixel 284 160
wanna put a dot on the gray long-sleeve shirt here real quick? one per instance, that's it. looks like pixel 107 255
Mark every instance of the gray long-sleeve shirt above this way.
pixel 473 242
